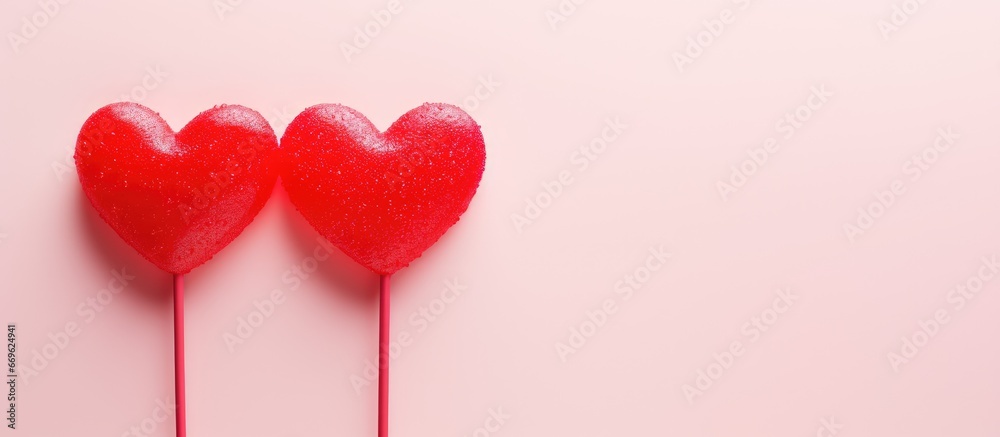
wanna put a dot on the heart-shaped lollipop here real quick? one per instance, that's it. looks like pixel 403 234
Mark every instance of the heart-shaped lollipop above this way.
pixel 382 198
pixel 179 198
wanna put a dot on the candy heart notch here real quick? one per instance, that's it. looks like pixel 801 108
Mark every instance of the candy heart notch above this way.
pixel 179 198
pixel 382 198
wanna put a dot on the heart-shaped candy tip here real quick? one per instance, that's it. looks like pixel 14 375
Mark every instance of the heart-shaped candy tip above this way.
pixel 382 198
pixel 179 198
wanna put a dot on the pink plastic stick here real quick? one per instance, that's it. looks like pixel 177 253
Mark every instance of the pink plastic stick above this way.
pixel 383 358
pixel 179 355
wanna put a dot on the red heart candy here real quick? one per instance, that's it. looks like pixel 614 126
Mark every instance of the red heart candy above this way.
pixel 382 198
pixel 177 198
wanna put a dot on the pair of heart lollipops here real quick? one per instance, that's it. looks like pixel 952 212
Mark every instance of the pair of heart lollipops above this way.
pixel 383 198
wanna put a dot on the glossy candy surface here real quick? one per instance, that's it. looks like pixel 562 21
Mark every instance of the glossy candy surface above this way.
pixel 178 199
pixel 382 198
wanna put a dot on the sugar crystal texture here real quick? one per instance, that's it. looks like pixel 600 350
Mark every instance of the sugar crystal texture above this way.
pixel 179 198
pixel 382 198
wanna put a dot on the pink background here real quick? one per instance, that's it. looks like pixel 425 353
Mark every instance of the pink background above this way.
pixel 823 364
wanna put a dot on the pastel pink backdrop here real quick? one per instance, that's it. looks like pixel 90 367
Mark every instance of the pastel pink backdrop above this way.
pixel 494 348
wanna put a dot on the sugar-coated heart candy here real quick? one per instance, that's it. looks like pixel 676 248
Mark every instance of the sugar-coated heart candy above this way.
pixel 179 198
pixel 382 198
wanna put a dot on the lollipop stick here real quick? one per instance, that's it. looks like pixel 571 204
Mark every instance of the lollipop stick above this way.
pixel 179 355
pixel 383 357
